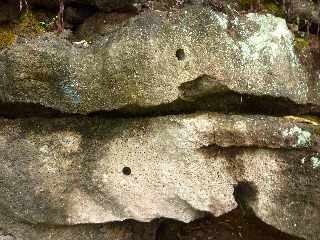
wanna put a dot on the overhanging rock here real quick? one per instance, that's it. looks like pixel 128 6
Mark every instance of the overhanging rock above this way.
pixel 147 62
pixel 92 170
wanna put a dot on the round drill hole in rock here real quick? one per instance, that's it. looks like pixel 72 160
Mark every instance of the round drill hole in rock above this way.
pixel 126 171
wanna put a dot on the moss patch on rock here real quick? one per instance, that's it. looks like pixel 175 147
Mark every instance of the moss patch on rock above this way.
pixel 269 6
pixel 7 38
pixel 30 24
pixel 274 8
pixel 301 43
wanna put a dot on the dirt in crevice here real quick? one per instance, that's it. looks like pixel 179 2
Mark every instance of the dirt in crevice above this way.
pixel 224 102
pixel 231 226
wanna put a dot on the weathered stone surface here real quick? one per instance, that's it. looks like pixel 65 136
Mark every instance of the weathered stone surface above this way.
pixel 151 60
pixel 11 229
pixel 281 186
pixel 92 170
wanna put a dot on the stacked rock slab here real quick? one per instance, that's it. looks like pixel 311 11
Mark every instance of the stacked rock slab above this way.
pixel 71 170
pixel 157 58
pixel 92 170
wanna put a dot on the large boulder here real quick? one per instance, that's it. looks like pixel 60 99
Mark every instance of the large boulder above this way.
pixel 155 59
pixel 93 170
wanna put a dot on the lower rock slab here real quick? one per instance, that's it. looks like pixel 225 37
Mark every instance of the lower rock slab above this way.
pixel 68 171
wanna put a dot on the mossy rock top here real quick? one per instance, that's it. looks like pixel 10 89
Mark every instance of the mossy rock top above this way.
pixel 149 60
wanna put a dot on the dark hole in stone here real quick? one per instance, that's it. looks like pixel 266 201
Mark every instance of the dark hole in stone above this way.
pixel 180 54
pixel 245 193
pixel 126 171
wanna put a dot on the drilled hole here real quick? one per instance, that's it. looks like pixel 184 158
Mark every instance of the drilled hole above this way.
pixel 180 54
pixel 126 171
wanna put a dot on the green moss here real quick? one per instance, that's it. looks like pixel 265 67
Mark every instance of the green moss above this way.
pixel 167 28
pixel 7 38
pixel 301 43
pixel 48 24
pixel 274 9
pixel 246 4
pixel 30 24
pixel 270 6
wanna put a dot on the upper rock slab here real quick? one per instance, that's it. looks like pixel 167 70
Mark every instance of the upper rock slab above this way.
pixel 154 59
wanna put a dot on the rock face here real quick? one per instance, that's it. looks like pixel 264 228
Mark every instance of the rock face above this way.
pixel 91 170
pixel 69 176
pixel 155 59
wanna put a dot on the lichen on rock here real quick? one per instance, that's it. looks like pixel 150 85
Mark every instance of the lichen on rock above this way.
pixel 302 136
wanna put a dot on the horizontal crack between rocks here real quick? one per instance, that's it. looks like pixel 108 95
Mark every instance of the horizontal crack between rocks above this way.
pixel 227 102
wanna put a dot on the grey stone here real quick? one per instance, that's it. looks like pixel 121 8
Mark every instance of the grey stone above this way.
pixel 148 60
pixel 92 170
pixel 282 188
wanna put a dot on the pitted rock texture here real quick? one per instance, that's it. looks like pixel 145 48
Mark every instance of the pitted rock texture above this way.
pixel 93 170
pixel 284 200
pixel 148 60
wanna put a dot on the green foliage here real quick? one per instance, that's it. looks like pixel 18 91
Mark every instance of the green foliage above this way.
pixel 301 43
pixel 271 6
pixel 274 8
pixel 247 4
pixel 29 24
pixel 48 24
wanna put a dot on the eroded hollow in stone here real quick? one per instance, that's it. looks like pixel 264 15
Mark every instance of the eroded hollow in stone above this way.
pixel 245 192
pixel 230 226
